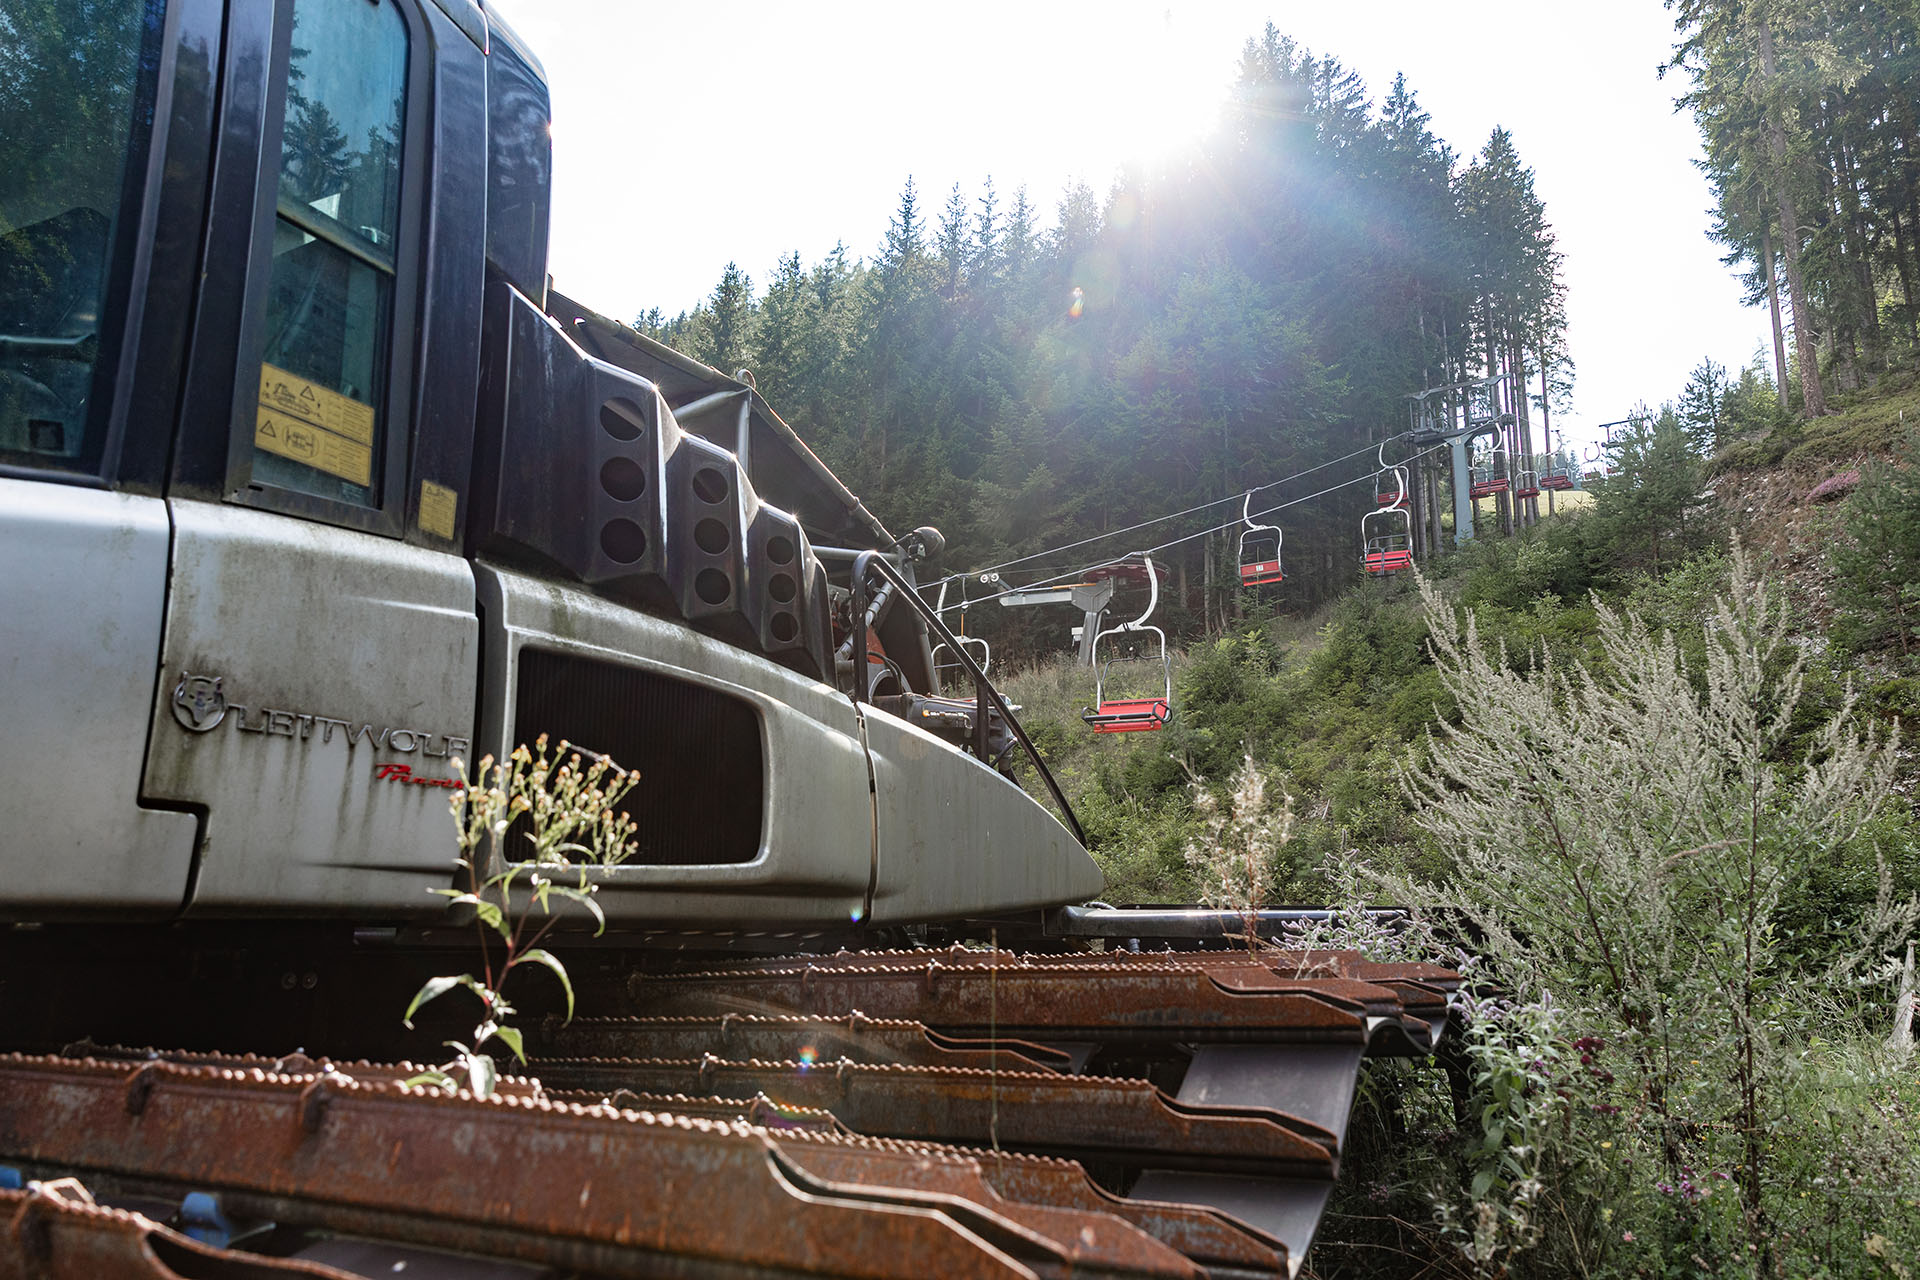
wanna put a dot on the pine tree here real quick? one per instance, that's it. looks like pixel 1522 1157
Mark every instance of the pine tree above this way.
pixel 950 243
pixel 1702 404
pixel 1876 561
pixel 724 337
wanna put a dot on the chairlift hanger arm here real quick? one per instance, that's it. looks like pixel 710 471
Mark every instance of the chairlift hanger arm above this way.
pixel 983 689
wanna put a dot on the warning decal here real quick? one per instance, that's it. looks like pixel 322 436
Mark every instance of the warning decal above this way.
pixel 303 420
pixel 437 506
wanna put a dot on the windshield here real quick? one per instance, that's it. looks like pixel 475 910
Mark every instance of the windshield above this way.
pixel 68 72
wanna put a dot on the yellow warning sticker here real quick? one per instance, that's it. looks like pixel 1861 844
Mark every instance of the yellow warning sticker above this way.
pixel 309 401
pixel 437 507
pixel 303 420
pixel 322 450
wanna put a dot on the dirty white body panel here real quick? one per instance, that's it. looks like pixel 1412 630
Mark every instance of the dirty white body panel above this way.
pixel 815 861
pixel 82 594
pixel 347 665
pixel 957 838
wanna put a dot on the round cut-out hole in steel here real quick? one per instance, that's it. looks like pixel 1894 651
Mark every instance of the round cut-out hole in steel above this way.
pixel 712 537
pixel 621 418
pixel 780 550
pixel 713 586
pixel 623 479
pixel 784 628
pixel 782 587
pixel 710 485
pixel 623 541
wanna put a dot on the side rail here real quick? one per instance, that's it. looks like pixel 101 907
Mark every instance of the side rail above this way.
pixel 983 689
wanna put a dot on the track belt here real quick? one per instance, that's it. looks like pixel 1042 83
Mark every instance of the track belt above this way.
pixel 593 1189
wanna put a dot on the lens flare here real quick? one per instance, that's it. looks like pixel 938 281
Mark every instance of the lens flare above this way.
pixel 808 1055
pixel 1079 302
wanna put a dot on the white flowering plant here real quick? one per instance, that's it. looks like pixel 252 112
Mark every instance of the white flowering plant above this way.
pixel 559 812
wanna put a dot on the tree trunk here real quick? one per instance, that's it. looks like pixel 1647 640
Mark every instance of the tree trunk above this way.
pixel 1906 275
pixel 1812 394
pixel 1773 297
pixel 1546 419
pixel 1527 509
pixel 1862 241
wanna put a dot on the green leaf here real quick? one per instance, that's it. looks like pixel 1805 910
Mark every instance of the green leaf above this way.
pixel 482 1074
pixel 510 1036
pixel 585 898
pixel 433 990
pixel 491 915
pixel 539 955
pixel 1481 1182
pixel 438 1079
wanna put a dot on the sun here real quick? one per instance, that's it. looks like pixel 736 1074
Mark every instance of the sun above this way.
pixel 1155 83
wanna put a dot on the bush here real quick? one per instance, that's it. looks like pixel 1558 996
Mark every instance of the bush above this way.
pixel 1635 849
pixel 1876 560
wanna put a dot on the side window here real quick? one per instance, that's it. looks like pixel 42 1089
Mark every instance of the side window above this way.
pixel 320 424
pixel 70 115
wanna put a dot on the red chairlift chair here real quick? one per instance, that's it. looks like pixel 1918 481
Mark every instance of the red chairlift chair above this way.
pixel 1490 475
pixel 1130 715
pixel 1386 533
pixel 1259 550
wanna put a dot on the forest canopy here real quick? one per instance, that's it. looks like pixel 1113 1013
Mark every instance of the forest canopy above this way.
pixel 1259 307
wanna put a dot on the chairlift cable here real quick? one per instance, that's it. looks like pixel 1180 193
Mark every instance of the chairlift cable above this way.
pixel 1050 552
pixel 1234 523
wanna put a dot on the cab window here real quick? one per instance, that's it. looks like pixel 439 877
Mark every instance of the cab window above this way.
pixel 319 426
pixel 70 101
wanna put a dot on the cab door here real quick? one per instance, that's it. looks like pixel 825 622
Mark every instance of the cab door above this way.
pixel 85 134
pixel 321 646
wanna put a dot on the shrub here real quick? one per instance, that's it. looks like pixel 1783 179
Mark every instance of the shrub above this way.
pixel 1630 847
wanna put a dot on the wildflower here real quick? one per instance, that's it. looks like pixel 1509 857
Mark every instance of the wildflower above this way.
pixel 1627 1236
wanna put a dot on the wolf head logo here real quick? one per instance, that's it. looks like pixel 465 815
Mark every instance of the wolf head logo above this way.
pixel 198 703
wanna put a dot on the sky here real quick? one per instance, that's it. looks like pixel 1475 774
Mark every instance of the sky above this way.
pixel 690 136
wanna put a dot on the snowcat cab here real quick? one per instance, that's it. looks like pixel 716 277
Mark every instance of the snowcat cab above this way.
pixel 1259 549
pixel 1134 714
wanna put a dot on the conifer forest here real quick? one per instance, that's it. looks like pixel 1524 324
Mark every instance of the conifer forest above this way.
pixel 1638 758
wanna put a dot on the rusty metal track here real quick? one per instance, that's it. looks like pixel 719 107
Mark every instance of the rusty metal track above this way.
pixel 603 1191
pixel 600 1190
pixel 881 1115
pixel 1129 1121
pixel 56 1232
pixel 1031 1000
pixel 795 1037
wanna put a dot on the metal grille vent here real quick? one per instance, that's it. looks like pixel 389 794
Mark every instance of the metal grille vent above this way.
pixel 699 798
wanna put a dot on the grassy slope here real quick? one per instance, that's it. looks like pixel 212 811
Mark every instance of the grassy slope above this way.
pixel 1329 703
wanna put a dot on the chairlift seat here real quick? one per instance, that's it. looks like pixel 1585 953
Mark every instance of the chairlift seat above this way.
pixel 1487 488
pixel 1259 549
pixel 1556 480
pixel 1389 561
pixel 1132 715
pixel 1128 715
pixel 1127 573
